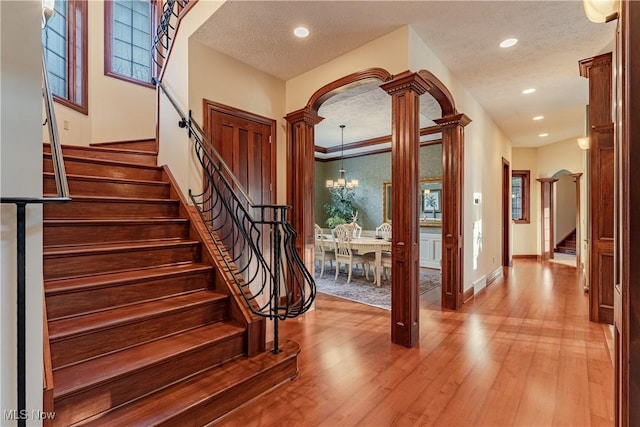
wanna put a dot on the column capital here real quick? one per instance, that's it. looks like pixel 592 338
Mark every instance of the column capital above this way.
pixel 543 180
pixel 303 115
pixel 456 119
pixel 406 81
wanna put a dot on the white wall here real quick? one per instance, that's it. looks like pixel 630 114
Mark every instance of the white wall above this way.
pixel 118 110
pixel 20 176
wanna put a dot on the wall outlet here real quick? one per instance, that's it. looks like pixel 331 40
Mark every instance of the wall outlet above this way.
pixel 65 125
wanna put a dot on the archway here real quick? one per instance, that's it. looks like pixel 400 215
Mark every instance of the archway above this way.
pixel 404 89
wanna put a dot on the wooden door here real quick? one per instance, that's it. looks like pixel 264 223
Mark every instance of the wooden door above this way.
pixel 244 141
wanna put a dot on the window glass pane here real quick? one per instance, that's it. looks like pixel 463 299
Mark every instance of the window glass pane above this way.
pixel 131 39
pixel 54 40
pixel 516 197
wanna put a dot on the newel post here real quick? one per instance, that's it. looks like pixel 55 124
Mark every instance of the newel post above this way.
pixel 300 179
pixel 405 90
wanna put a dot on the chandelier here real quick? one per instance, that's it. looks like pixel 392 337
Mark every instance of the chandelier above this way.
pixel 341 182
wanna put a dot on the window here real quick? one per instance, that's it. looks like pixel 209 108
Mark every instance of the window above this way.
pixel 128 27
pixel 520 196
pixel 65 49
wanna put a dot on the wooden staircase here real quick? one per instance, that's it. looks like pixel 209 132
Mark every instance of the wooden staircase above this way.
pixel 568 244
pixel 143 328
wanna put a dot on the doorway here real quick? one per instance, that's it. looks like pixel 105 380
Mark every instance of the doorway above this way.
pixel 506 213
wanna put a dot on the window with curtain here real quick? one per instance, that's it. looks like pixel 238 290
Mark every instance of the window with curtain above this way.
pixel 520 196
pixel 65 50
pixel 128 27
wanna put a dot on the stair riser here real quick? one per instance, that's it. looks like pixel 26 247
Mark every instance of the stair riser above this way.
pixel 110 209
pixel 72 303
pixel 233 397
pixel 137 158
pixel 68 350
pixel 142 145
pixel 88 168
pixel 81 187
pixel 70 409
pixel 75 234
pixel 81 264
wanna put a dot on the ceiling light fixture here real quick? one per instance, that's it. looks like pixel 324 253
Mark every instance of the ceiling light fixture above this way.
pixel 508 43
pixel 542 135
pixel 341 182
pixel 599 11
pixel 528 91
pixel 301 32
pixel 536 118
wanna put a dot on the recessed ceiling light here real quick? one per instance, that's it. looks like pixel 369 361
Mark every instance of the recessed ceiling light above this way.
pixel 301 32
pixel 538 118
pixel 508 43
pixel 542 135
pixel 528 91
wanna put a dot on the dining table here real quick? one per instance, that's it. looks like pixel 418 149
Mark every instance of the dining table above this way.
pixel 364 245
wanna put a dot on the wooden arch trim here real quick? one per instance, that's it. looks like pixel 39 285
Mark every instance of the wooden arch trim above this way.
pixel 329 90
pixel 439 91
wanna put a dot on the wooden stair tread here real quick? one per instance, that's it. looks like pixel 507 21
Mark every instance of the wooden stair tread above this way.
pixel 86 374
pixel 93 160
pixel 113 180
pixel 103 149
pixel 105 319
pixel 165 404
pixel 114 221
pixel 111 199
pixel 74 284
pixel 55 251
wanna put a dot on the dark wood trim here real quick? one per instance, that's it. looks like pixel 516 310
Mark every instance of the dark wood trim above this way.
pixel 526 196
pixel 108 33
pixel 586 64
pixel 546 228
pixel 627 251
pixel 468 294
pixel 526 256
pixel 439 91
pixel 506 213
pixel 329 90
pixel 73 100
pixel 496 274
pixel 576 178
pixel 369 153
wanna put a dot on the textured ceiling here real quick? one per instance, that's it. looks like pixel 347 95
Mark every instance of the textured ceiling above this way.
pixel 553 37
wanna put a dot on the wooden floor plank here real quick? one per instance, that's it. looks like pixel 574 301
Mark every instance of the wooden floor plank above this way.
pixel 520 353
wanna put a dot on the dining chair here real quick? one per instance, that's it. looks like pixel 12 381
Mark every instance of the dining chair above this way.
pixel 384 230
pixel 322 254
pixel 344 253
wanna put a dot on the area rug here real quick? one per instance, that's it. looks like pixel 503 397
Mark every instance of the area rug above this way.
pixel 366 292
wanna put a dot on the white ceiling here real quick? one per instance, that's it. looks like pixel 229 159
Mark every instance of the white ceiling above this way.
pixel 553 36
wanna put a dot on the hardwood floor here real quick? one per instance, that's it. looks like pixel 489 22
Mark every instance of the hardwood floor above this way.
pixel 520 353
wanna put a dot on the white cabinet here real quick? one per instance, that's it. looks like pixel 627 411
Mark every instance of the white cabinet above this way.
pixel 430 250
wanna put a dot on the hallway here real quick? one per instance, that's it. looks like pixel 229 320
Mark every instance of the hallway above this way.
pixel 520 353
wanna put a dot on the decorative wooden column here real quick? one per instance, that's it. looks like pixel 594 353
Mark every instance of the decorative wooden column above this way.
pixel 546 217
pixel 452 209
pixel 405 90
pixel 601 187
pixel 300 179
pixel 576 178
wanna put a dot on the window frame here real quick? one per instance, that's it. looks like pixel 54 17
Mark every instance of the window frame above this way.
pixel 71 101
pixel 108 36
pixel 525 175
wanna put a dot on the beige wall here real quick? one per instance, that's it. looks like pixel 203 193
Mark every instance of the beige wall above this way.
pixel 547 161
pixel 525 237
pixel 485 146
pixel 20 176
pixel 220 78
pixel 565 207
pixel 118 110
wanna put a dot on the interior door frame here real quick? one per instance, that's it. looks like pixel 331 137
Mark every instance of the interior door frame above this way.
pixel 506 213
